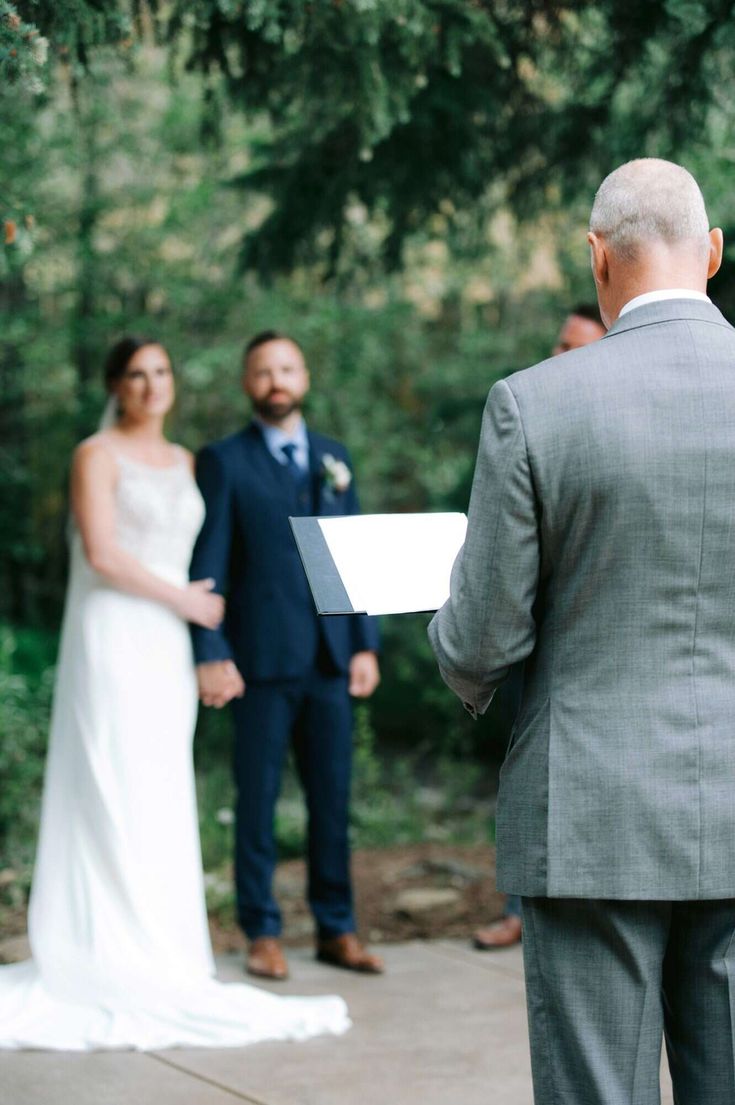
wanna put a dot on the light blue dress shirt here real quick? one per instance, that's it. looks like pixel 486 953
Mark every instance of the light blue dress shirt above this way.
pixel 275 439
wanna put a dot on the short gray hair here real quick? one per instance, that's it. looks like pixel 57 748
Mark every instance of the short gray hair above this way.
pixel 647 200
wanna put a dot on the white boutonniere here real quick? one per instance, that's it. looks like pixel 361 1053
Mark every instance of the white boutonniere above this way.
pixel 335 473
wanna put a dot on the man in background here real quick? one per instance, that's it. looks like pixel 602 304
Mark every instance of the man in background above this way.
pixel 581 326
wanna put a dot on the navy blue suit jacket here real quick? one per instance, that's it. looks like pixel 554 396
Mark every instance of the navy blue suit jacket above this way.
pixel 271 630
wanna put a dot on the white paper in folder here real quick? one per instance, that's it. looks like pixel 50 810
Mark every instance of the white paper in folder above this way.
pixel 395 563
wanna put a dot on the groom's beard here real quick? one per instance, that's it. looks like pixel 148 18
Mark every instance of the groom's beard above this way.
pixel 276 410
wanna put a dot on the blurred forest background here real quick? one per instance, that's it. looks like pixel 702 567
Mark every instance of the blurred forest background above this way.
pixel 401 184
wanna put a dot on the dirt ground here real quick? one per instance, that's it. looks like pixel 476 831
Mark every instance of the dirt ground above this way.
pixel 418 891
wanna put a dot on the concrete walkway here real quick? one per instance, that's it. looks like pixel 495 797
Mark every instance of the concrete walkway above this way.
pixel 445 1026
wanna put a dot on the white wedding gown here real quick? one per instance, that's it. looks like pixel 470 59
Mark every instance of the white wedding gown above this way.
pixel 117 921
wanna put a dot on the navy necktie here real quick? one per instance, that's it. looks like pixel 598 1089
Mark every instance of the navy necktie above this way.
pixel 299 476
pixel 292 467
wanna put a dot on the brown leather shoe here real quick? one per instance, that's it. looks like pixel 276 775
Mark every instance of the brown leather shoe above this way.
pixel 501 934
pixel 266 960
pixel 347 951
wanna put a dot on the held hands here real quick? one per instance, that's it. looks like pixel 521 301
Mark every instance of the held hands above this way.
pixel 198 604
pixel 364 674
pixel 219 682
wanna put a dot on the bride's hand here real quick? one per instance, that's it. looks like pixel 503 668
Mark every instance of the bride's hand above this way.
pixel 200 605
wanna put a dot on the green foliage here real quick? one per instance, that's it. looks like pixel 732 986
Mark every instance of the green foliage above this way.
pixel 26 684
pixel 414 795
pixel 75 28
pixel 391 112
pixel 405 108
pixel 23 51
pixel 215 799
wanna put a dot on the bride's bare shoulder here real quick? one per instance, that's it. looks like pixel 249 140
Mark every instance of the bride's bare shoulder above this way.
pixel 95 451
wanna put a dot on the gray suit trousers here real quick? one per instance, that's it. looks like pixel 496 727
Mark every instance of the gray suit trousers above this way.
pixel 607 980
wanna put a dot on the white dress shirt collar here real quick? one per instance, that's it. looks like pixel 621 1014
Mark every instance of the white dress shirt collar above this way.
pixel 658 296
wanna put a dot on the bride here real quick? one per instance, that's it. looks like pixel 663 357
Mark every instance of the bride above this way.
pixel 117 921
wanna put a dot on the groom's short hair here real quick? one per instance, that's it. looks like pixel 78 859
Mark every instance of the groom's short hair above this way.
pixel 263 337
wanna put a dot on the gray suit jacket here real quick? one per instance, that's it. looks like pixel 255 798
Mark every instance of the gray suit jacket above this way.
pixel 601 551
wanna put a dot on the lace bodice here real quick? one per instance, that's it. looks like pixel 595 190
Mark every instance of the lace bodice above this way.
pixel 159 514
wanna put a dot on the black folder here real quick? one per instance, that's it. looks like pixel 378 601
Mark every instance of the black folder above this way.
pixel 330 596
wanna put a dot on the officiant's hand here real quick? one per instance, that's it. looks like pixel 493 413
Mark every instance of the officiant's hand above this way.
pixel 364 674
pixel 219 682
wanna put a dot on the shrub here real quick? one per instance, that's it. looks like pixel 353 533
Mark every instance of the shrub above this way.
pixel 26 688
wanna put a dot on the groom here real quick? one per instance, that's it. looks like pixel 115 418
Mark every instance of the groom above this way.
pixel 288 673
pixel 600 551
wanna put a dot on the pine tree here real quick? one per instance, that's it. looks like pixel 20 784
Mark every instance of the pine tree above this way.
pixel 408 107
pixel 398 109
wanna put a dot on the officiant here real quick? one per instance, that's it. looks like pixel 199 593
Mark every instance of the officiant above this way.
pixel 599 553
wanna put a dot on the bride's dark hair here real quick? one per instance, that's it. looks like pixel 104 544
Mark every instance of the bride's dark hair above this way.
pixel 119 357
